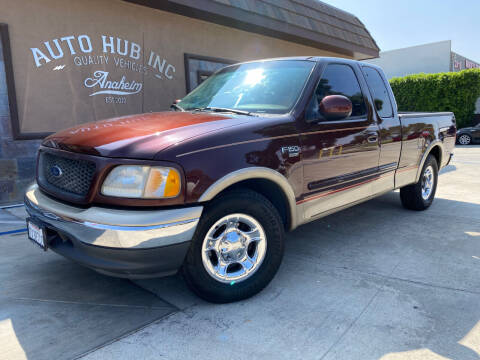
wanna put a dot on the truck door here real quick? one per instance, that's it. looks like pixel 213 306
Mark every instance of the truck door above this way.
pixel 390 129
pixel 340 158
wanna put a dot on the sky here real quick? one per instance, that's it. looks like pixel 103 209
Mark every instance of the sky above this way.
pixel 396 24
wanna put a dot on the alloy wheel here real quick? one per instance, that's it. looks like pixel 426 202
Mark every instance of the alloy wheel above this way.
pixel 428 180
pixel 464 139
pixel 234 248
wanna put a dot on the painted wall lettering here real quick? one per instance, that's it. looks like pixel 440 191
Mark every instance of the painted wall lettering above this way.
pixel 101 81
pixel 124 55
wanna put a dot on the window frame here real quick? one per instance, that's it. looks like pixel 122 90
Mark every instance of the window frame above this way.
pixel 362 89
pixel 186 62
pixel 11 92
pixel 373 96
pixel 297 107
pixel 201 73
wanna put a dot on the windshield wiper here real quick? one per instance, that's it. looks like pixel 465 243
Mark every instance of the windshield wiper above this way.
pixel 176 107
pixel 220 109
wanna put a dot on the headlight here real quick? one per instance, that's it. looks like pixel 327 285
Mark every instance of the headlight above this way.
pixel 148 182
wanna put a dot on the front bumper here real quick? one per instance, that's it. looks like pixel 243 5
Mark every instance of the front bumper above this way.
pixel 124 243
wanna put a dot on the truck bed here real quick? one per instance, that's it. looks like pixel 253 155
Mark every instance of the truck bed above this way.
pixel 444 119
pixel 424 114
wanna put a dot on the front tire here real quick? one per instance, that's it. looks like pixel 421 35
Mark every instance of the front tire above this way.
pixel 419 196
pixel 237 247
pixel 464 139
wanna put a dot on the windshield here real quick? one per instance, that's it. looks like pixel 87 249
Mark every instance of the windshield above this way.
pixel 258 87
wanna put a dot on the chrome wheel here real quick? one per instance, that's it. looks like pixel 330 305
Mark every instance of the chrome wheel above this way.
pixel 464 139
pixel 234 248
pixel 427 182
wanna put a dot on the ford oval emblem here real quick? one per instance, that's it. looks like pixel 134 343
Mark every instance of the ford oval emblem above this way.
pixel 56 171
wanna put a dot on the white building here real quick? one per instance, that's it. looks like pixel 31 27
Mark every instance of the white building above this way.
pixel 427 58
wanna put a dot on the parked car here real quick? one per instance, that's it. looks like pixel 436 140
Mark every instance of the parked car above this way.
pixel 468 135
pixel 211 187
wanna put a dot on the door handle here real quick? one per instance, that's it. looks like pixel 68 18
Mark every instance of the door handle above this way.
pixel 372 138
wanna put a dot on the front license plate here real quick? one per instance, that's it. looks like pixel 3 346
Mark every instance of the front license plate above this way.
pixel 36 234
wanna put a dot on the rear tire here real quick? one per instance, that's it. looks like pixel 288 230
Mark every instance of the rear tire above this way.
pixel 419 196
pixel 237 247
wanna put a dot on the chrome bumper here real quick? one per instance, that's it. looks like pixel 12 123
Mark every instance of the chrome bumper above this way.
pixel 113 228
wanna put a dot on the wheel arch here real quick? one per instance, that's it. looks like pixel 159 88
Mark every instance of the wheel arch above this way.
pixel 436 149
pixel 270 183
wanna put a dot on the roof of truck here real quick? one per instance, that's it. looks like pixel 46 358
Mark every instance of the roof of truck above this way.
pixel 310 58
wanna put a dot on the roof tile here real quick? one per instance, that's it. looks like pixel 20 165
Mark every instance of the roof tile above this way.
pixel 310 21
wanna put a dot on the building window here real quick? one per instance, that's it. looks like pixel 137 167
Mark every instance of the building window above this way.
pixel 199 68
pixel 203 75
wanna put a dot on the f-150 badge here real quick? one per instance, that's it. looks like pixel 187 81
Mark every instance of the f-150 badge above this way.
pixel 292 151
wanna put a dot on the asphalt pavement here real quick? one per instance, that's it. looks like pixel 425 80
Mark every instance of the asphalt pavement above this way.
pixel 374 281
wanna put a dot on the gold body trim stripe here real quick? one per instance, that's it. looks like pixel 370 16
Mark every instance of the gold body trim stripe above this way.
pixel 268 139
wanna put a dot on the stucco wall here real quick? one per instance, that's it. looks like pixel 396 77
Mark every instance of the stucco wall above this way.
pixel 428 58
pixel 53 94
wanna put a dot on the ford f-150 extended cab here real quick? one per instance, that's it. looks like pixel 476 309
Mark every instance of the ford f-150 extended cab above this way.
pixel 210 187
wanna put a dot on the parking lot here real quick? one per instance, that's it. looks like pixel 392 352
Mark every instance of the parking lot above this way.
pixel 371 282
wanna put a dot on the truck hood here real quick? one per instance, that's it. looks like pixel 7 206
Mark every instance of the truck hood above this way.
pixel 139 136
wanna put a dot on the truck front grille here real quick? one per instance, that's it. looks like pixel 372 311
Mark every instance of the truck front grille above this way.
pixel 73 176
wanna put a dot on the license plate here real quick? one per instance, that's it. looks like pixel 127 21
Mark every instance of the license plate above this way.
pixel 36 234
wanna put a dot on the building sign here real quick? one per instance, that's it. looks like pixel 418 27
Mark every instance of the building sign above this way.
pixel 66 76
pixel 471 65
pixel 459 63
pixel 124 57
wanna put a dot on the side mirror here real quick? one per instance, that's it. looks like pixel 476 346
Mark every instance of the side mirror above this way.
pixel 335 107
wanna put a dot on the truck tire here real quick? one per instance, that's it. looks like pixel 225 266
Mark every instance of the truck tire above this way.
pixel 237 247
pixel 419 196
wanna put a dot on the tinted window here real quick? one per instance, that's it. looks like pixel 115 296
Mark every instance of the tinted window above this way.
pixel 338 79
pixel 379 92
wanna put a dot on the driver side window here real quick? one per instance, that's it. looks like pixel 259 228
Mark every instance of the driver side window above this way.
pixel 337 79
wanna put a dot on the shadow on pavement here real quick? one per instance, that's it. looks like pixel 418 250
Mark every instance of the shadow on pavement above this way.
pixel 52 308
pixel 373 281
pixel 428 266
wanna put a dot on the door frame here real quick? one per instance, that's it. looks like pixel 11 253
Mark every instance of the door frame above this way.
pixel 358 181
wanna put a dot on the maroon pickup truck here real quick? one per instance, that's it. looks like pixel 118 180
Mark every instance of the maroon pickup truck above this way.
pixel 211 187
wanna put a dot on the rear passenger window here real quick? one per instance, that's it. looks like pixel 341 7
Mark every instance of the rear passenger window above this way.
pixel 379 92
pixel 338 79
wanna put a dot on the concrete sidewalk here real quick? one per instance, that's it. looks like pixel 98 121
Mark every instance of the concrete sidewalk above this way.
pixel 372 282
pixel 51 308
